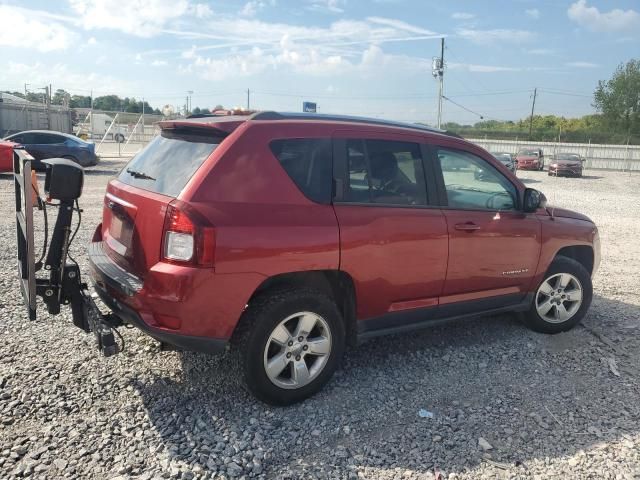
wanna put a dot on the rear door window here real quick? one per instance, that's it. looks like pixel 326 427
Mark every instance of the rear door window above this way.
pixel 308 162
pixel 167 163
pixel 386 172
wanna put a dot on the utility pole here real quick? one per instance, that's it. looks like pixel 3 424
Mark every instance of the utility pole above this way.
pixel 437 70
pixel 188 105
pixel 533 106
pixel 248 102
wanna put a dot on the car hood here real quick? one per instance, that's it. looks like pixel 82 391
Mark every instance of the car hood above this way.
pixel 565 213
pixel 566 162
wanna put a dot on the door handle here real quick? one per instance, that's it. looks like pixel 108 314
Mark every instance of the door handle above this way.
pixel 467 227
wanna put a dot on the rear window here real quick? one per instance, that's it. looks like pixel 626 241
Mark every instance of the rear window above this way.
pixel 308 161
pixel 167 163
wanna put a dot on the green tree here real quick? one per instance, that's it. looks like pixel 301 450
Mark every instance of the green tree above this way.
pixel 80 101
pixel 108 102
pixel 59 97
pixel 619 98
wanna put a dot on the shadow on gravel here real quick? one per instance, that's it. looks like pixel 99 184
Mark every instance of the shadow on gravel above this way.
pixel 529 180
pixel 532 397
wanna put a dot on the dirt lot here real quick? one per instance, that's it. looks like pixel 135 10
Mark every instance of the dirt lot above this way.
pixel 562 406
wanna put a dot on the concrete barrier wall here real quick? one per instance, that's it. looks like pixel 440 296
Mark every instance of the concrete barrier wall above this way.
pixel 605 157
pixel 15 117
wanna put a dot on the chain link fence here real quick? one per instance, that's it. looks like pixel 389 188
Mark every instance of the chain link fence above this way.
pixel 115 133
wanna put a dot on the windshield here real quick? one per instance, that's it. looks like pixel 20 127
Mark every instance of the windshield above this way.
pixel 167 163
pixel 568 156
pixel 528 153
pixel 503 157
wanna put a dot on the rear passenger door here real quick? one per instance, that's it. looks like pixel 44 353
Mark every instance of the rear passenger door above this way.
pixel 393 241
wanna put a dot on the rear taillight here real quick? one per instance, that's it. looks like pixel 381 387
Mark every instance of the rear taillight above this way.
pixel 187 238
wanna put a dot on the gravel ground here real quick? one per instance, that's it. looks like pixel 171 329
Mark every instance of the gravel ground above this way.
pixel 506 402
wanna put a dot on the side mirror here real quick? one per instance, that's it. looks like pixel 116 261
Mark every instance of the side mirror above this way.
pixel 533 200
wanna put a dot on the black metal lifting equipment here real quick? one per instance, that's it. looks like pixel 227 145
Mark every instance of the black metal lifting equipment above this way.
pixel 62 285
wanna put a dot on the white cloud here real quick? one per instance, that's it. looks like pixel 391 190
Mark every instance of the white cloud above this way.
pixel 400 25
pixel 22 28
pixel 14 73
pixel 613 21
pixel 143 18
pixel 332 6
pixel 254 6
pixel 248 47
pixel 473 67
pixel 462 16
pixel 497 35
pixel 159 63
pixel 533 13
pixel 541 51
pixel 582 65
pixel 201 10
pixel 92 41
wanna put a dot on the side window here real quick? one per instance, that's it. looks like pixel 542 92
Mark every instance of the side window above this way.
pixel 308 162
pixel 385 171
pixel 29 138
pixel 43 139
pixel 49 139
pixel 472 183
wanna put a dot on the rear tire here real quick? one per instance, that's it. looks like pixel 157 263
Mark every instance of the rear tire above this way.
pixel 562 298
pixel 289 344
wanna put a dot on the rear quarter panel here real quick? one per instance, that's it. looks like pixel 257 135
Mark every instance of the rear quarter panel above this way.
pixel 264 223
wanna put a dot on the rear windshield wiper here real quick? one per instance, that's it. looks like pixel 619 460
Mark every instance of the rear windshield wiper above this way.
pixel 141 175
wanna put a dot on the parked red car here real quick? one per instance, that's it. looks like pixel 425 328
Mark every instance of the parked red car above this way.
pixel 6 157
pixel 293 236
pixel 530 159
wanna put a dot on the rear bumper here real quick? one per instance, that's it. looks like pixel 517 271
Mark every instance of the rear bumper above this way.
pixel 123 293
pixel 182 342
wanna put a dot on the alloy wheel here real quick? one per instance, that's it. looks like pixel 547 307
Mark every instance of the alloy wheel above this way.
pixel 297 350
pixel 558 298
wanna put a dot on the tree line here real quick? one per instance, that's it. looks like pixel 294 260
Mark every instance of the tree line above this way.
pixel 617 103
pixel 112 103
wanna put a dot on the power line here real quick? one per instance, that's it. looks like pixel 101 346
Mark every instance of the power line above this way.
pixel 463 107
pixel 567 94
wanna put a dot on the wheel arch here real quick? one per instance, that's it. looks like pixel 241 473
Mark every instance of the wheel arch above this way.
pixel 582 254
pixel 337 284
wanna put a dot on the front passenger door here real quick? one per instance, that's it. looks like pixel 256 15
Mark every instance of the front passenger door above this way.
pixel 493 245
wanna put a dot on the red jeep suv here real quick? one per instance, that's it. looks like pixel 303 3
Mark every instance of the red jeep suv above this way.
pixel 292 236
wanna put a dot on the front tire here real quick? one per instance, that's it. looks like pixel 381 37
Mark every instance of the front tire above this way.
pixel 562 298
pixel 293 342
